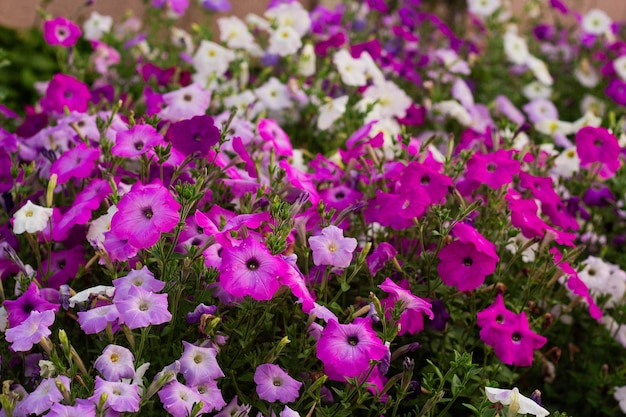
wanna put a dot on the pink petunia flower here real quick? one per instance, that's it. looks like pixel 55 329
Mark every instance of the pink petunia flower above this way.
pixel 250 269
pixel 136 141
pixel 45 395
pixel 496 316
pixel 30 331
pixel 331 248
pixel 413 307
pixel 95 320
pixel 273 384
pixel 596 144
pixel 494 169
pixel 346 349
pixel 66 91
pixel 515 344
pixel 143 214
pixel 61 31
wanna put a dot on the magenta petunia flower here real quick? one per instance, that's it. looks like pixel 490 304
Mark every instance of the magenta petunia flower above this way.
pixel 462 265
pixel 273 384
pixel 496 316
pixel 346 349
pixel 331 248
pixel 141 308
pixel 63 266
pixel 273 134
pixel 66 91
pixel 143 214
pixel 178 399
pixel 413 307
pixel 515 344
pixel 250 269
pixel 199 364
pixel 136 141
pixel 383 253
pixel 30 331
pixel 121 397
pixel 20 309
pixel 194 136
pixel 61 31
pixel 494 169
pixel 596 144
pixel 115 363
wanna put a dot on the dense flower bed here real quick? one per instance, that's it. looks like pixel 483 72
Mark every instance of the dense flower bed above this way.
pixel 347 212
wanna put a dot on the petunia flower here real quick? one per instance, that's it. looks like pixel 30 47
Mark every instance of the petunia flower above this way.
pixel 45 395
pixel 596 144
pixel 31 218
pixel 121 397
pixel 115 363
pixel 331 248
pixel 95 320
pixel 210 395
pixel 143 214
pixel 194 136
pixel 250 269
pixel 66 91
pixel 413 307
pixel 346 349
pixel 61 31
pixel 136 141
pixel 83 408
pixel 30 331
pixel 178 399
pixel 19 310
pixel 141 308
pixel 513 398
pixel 199 364
pixel 273 384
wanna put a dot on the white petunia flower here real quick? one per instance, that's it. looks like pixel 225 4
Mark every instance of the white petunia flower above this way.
pixel 454 109
pixel 290 14
pixel 483 8
pixel 306 63
pixel 592 104
pixel 515 48
pixel 452 61
pixel 536 90
pixel 211 58
pixel 391 100
pixel 586 75
pixel 235 33
pixel 539 70
pixel 274 95
pixel 4 321
pixel 352 71
pixel 83 296
pixel 31 218
pixel 553 127
pixel 331 111
pixel 566 164
pixel 515 400
pixel 619 65
pixel 99 226
pixel 284 41
pixel 596 22
pixel 243 101
pixel 462 92
pixel 96 26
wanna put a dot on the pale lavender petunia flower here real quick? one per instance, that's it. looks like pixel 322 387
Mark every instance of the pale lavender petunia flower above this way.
pixel 178 399
pixel 121 397
pixel 138 278
pixel 96 320
pixel 141 308
pixel 331 248
pixel 45 395
pixel 541 109
pixel 83 408
pixel 30 331
pixel 273 384
pixel 115 363
pixel 199 365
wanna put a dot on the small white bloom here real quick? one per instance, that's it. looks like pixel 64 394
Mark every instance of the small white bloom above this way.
pixel 517 242
pixel 31 218
pixel 553 127
pixel 331 111
pixel 586 75
pixel 592 104
pixel 182 38
pixel 588 119
pixel 235 33
pixel 566 164
pixel 462 93
pixel 274 95
pixel 256 21
pixel 539 70
pixel 483 8
pixel 452 61
pixel 391 100
pixel 243 101
pixel 512 397
pixel 211 58
pixel 515 48
pixel 536 90
pixel 284 41
pixel 96 26
pixel 352 71
pixel 290 14
pixel 306 63
pixel 453 109
pixel 97 228
pixel 596 22
pixel 83 296
pixel 619 65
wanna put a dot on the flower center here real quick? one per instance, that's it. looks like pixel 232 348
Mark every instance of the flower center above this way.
pixel 516 337
pixel 187 97
pixel 147 212
pixel 353 340
pixel 499 319
pixel 467 261
pixel 491 167
pixel 29 213
pixel 425 180
pixel 252 264
pixel 332 248
pixel 597 142
pixel 143 306
pixel 198 358
pixel 138 145
pixel 277 382
pixel 115 357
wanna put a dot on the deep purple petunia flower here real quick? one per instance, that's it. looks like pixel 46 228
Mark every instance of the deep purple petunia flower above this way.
pixel 250 269
pixel 346 349
pixel 31 300
pixel 61 31
pixel 144 213
pixel 66 91
pixel 273 384
pixel 194 136
pixel 217 5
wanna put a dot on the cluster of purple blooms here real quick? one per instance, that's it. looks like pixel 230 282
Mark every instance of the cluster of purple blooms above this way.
pixel 111 212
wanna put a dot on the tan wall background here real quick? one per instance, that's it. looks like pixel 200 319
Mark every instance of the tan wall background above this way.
pixel 23 13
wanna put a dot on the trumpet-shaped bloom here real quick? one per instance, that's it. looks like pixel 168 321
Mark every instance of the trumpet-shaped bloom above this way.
pixel 178 399
pixel 331 248
pixel 249 269
pixel 121 396
pixel 141 308
pixel 143 214
pixel 596 144
pixel 20 309
pixel 273 384
pixel 411 319
pixel 66 91
pixel 136 141
pixel 346 349
pixel 30 331
pixel 512 396
pixel 115 363
pixel 78 162
pixel 199 364
pixel 45 395
pixel 31 218
pixel 61 31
